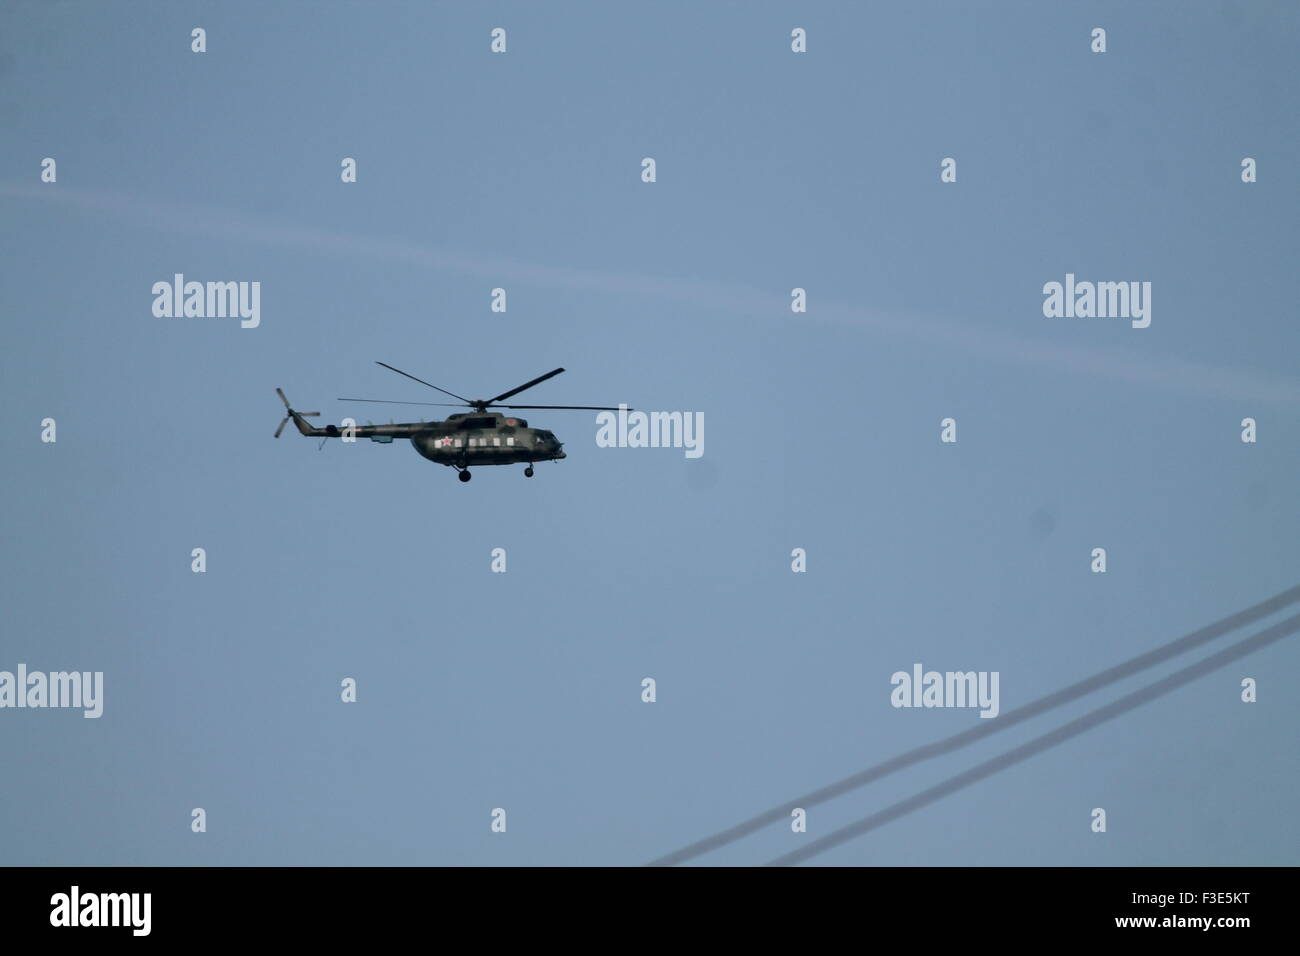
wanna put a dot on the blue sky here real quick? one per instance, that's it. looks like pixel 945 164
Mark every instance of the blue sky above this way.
pixel 775 170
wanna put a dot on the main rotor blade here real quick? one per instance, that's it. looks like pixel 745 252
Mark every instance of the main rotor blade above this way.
pixel 581 408
pixel 430 384
pixel 384 401
pixel 516 391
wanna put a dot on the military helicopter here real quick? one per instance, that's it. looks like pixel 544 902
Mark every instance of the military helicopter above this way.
pixel 478 437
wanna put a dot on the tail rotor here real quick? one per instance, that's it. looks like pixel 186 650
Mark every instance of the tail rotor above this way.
pixel 290 413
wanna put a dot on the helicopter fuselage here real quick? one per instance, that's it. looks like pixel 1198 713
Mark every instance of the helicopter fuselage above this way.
pixel 462 440
pixel 485 439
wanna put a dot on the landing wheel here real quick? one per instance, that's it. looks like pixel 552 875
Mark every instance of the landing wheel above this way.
pixel 465 475
pixel 528 472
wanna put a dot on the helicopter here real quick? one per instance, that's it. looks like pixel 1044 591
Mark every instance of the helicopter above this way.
pixel 477 437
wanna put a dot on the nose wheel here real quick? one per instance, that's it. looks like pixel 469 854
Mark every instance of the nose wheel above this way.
pixel 465 475
pixel 528 472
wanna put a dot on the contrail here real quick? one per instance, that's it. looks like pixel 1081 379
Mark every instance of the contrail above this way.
pixel 1048 740
pixel 739 301
pixel 986 728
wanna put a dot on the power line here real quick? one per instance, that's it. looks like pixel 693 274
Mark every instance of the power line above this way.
pixel 986 728
pixel 1050 739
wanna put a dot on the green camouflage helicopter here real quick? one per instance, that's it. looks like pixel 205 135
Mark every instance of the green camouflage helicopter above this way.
pixel 478 437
